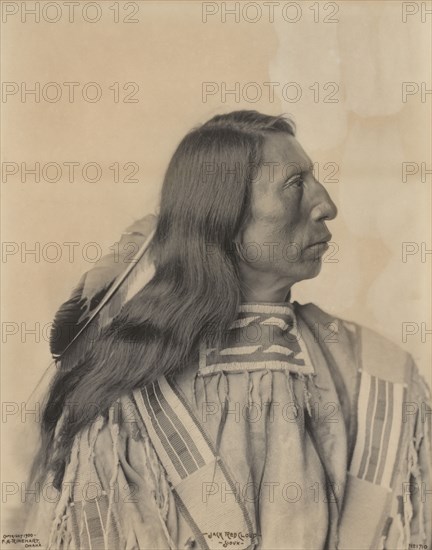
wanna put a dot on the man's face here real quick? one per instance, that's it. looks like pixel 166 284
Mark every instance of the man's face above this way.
pixel 287 235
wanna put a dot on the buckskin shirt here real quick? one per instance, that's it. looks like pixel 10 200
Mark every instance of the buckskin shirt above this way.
pixel 279 441
pixel 302 432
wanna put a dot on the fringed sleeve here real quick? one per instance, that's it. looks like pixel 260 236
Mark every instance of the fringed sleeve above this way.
pixel 114 493
pixel 417 489
pixel 410 523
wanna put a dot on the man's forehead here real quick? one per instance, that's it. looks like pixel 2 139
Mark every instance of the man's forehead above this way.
pixel 285 150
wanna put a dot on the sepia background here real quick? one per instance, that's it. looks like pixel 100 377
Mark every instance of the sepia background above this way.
pixel 354 76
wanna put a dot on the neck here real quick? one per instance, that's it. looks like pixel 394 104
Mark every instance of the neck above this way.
pixel 263 287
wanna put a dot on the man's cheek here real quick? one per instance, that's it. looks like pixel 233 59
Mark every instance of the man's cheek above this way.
pixel 268 206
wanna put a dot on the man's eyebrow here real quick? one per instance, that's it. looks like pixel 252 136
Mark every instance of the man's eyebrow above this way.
pixel 292 168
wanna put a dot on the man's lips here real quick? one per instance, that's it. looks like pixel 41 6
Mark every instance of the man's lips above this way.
pixel 323 242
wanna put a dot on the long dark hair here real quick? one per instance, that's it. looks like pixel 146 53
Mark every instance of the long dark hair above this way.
pixel 205 201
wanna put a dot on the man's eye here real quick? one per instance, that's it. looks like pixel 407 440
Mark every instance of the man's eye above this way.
pixel 296 181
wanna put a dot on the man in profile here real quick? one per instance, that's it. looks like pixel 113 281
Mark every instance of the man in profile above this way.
pixel 220 416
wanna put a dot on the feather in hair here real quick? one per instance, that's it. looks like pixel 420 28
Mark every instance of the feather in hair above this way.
pixel 69 331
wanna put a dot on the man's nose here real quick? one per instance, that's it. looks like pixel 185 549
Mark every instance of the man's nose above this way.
pixel 324 208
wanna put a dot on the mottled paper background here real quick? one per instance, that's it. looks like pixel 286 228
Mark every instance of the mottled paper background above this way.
pixel 338 68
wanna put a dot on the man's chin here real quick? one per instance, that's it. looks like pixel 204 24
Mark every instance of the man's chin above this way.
pixel 312 268
pixel 308 270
